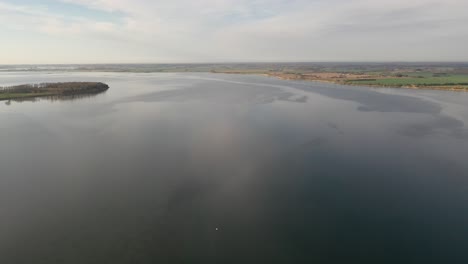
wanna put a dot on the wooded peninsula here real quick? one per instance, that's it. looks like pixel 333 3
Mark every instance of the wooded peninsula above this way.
pixel 51 89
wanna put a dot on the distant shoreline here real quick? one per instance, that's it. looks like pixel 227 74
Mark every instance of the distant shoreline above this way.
pixel 453 88
pixel 345 82
pixel 444 76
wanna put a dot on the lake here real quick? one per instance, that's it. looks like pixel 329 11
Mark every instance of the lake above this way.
pixel 213 168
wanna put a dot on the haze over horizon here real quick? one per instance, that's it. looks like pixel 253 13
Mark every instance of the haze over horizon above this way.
pixel 184 31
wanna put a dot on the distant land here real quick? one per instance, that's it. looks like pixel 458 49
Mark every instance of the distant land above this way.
pixel 425 75
pixel 51 89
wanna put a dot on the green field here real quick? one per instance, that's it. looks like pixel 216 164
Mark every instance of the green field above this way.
pixel 417 79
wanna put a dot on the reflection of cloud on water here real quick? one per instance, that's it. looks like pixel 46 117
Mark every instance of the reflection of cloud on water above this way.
pixel 222 94
pixel 369 100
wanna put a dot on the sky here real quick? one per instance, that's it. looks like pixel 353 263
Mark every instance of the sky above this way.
pixel 185 31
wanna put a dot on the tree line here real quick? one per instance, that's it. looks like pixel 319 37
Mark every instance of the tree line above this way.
pixel 57 88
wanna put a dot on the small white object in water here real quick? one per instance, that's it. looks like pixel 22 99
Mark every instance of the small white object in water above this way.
pixel 217 229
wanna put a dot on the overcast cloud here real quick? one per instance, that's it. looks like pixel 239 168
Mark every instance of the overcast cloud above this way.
pixel 113 31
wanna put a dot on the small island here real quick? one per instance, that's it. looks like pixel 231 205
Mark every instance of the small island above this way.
pixel 51 89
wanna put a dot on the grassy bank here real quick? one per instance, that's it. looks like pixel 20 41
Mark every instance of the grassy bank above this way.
pixel 421 80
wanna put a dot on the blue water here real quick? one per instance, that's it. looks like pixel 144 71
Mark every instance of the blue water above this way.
pixel 212 168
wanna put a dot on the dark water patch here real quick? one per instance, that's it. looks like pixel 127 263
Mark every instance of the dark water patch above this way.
pixel 335 127
pixel 436 125
pixel 373 101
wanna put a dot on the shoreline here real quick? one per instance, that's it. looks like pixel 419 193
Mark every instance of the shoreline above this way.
pixel 436 88
pixel 453 88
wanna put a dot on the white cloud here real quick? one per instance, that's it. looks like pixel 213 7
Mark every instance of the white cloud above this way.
pixel 209 30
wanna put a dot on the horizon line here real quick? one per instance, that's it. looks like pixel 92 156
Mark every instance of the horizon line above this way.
pixel 232 62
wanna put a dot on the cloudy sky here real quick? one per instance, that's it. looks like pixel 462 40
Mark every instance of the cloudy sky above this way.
pixel 158 31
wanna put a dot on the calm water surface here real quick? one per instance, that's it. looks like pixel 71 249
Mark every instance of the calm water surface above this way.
pixel 205 168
